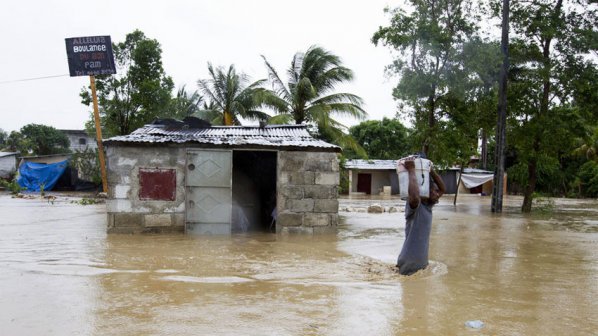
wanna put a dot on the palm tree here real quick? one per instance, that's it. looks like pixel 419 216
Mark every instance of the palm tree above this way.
pixel 185 103
pixel 209 112
pixel 589 146
pixel 231 97
pixel 308 95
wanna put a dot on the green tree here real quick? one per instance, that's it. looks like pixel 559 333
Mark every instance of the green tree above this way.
pixel 482 59
pixel 87 164
pixel 386 139
pixel 3 137
pixel 185 104
pixel 139 93
pixel 15 142
pixel 230 96
pixel 588 179
pixel 549 79
pixel 42 140
pixel 429 40
pixel 308 95
pixel 588 147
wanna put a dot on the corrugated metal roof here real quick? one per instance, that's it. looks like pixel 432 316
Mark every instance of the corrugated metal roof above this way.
pixel 371 164
pixel 269 136
pixel 392 165
pixel 3 154
pixel 476 171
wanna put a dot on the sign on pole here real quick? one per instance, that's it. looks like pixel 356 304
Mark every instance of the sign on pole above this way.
pixel 92 56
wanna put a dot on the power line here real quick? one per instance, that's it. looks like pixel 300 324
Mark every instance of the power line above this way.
pixel 31 79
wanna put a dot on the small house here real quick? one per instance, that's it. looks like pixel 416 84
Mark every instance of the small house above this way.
pixel 373 177
pixel 379 177
pixel 176 177
pixel 8 164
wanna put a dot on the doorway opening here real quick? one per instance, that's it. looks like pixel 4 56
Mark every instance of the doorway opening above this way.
pixel 254 191
pixel 364 183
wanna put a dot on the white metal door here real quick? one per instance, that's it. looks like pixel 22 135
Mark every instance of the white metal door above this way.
pixel 208 186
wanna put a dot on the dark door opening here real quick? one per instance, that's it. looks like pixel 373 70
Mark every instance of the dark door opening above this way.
pixel 364 183
pixel 254 191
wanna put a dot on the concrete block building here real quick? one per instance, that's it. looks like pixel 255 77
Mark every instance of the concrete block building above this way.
pixel 221 179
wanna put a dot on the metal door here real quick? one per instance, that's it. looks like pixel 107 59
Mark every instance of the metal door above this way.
pixel 208 183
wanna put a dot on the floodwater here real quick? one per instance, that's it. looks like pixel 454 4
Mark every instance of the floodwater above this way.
pixel 519 274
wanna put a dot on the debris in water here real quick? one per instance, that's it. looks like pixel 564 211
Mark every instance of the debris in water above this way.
pixel 474 324
pixel 375 208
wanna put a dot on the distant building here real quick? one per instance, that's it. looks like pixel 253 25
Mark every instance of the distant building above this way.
pixel 373 177
pixel 379 177
pixel 8 164
pixel 80 140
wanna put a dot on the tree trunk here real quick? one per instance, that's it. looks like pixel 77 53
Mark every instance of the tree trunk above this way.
pixel 531 186
pixel 431 121
pixel 228 119
pixel 532 169
pixel 501 138
pixel 484 149
pixel 299 116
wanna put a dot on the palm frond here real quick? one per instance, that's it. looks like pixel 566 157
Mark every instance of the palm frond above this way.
pixel 281 119
pixel 339 98
pixel 277 83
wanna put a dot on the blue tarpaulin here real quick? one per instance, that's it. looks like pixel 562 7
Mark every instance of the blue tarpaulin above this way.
pixel 33 175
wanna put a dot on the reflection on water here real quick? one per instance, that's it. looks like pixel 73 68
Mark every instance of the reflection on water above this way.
pixel 519 274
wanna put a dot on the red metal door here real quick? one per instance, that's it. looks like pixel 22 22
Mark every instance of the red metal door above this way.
pixel 364 183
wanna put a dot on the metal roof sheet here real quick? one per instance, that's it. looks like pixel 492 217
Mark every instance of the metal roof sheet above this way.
pixel 392 165
pixel 270 136
pixel 3 154
pixel 371 164
pixel 476 171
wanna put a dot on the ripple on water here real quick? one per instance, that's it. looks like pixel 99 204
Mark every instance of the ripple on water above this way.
pixel 378 271
pixel 223 280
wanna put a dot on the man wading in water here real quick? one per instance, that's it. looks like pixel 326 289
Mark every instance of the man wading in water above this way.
pixel 418 216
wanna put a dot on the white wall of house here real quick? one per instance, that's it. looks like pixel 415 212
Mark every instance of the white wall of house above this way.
pixel 80 140
pixel 380 179
pixel 8 165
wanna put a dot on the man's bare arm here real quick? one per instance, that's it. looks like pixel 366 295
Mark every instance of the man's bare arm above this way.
pixel 413 189
pixel 439 182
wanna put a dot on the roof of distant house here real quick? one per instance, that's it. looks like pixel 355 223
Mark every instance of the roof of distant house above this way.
pixel 371 164
pixel 74 132
pixel 392 165
pixel 3 154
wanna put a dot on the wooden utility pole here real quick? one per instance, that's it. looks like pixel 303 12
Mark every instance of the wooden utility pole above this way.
pixel 499 171
pixel 96 116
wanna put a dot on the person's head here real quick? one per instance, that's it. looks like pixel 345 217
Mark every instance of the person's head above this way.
pixel 434 194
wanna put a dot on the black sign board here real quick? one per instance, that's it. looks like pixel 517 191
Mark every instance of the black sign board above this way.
pixel 90 56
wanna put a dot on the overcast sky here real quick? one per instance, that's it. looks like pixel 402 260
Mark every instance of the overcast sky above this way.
pixel 192 33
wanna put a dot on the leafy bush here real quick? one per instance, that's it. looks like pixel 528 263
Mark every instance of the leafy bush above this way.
pixel 12 186
pixel 588 179
pixel 87 163
pixel 344 176
pixel 550 176
pixel 543 204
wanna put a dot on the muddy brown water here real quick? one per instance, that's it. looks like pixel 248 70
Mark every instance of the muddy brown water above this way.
pixel 520 274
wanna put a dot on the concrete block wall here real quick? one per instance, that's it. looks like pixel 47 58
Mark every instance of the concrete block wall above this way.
pixel 126 212
pixel 307 199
